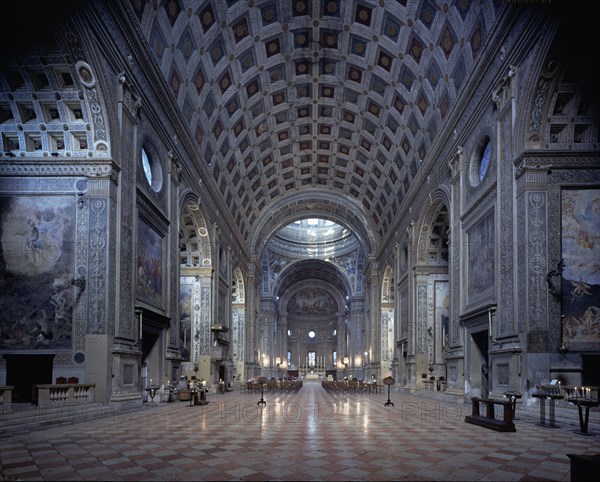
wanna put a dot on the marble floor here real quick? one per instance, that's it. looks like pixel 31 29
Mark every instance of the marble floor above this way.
pixel 308 435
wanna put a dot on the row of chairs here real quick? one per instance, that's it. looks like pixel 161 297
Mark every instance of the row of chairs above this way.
pixel 65 380
pixel 272 386
pixel 351 386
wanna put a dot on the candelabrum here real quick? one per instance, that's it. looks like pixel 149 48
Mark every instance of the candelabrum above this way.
pixel 555 273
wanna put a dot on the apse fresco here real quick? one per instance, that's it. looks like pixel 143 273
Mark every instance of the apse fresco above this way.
pixel 36 268
pixel 312 301
pixel 150 260
pixel 581 273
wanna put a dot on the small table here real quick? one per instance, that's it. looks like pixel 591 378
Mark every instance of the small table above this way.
pixel 583 416
pixel 513 396
pixel 552 398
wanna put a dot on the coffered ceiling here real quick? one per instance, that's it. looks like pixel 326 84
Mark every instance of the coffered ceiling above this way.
pixel 324 100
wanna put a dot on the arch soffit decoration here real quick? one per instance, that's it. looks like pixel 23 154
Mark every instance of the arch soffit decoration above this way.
pixel 438 200
pixel 90 118
pixel 312 270
pixel 239 287
pixel 387 285
pixel 556 97
pixel 194 229
pixel 300 207
pixel 323 286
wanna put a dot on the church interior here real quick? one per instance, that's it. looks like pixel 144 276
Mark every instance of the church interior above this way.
pixel 327 190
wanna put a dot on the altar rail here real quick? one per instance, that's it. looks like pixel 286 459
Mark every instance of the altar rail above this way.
pixel 45 395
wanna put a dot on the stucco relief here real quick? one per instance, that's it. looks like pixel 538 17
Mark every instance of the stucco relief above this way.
pixel 98 256
pixel 537 265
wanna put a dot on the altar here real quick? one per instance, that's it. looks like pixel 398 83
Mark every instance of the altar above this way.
pixel 313 375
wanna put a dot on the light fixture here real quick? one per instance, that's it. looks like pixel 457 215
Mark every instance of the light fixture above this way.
pixel 346 361
pixel 278 361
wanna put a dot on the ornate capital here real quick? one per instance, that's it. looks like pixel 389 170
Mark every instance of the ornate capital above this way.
pixel 505 91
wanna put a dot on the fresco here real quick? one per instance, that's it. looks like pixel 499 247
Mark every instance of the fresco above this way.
pixel 581 274
pixel 312 301
pixel 36 268
pixel 150 259
pixel 185 320
pixel 481 260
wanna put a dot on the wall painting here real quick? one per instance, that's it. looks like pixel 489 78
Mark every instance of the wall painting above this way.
pixel 36 267
pixel 149 265
pixel 481 260
pixel 581 273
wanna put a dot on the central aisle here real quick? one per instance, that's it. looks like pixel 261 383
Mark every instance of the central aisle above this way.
pixel 307 435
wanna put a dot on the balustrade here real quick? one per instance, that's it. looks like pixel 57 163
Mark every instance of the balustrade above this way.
pixel 45 395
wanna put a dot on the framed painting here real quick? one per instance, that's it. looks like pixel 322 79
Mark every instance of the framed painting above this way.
pixel 37 240
pixel 580 280
pixel 481 260
pixel 150 261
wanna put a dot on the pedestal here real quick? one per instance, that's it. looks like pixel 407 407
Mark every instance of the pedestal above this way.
pixel 552 401
pixel 583 407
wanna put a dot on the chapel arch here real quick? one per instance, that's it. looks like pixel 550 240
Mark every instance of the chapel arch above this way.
pixel 238 324
pixel 195 290
pixel 387 321
pixel 432 294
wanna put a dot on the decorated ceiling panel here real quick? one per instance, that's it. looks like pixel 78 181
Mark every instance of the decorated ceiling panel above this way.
pixel 338 96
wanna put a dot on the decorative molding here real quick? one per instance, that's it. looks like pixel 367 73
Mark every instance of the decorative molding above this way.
pixel 537 266
pixel 539 107
pixel 503 94
pixel 131 101
pixel 159 220
pixel 553 160
pixel 484 203
pixel 98 259
pixel 57 168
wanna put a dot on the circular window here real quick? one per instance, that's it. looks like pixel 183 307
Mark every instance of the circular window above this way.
pixel 480 161
pixel 485 160
pixel 147 166
pixel 311 334
pixel 151 171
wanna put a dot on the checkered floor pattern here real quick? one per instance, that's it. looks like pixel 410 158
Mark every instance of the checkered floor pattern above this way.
pixel 308 435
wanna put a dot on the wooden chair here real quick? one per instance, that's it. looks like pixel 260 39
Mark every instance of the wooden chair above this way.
pixel 73 380
pixel 61 380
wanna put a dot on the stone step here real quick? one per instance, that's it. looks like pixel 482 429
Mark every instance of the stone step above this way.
pixel 24 417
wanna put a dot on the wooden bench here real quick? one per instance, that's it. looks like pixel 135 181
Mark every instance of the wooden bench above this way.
pixel 489 420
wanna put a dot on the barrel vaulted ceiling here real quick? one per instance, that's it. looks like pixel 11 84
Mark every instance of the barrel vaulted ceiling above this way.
pixel 333 99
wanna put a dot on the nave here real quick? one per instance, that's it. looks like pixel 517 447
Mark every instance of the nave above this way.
pixel 311 434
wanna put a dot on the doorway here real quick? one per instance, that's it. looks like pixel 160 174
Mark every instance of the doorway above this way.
pixel 479 362
pixel 25 371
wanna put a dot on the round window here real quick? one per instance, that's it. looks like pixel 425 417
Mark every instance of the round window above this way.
pixel 485 160
pixel 311 334
pixel 151 170
pixel 147 166
pixel 480 161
